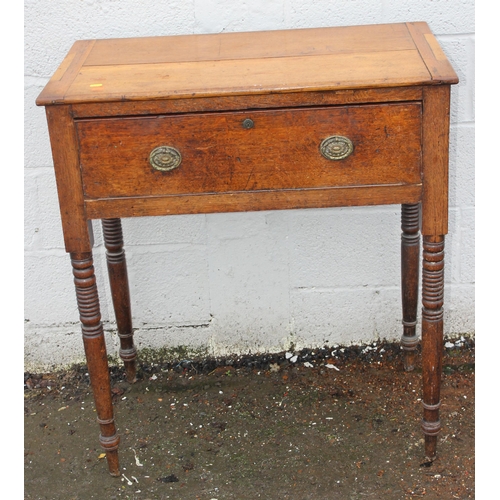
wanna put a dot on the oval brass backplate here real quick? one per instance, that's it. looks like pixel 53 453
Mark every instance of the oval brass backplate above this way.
pixel 165 158
pixel 336 147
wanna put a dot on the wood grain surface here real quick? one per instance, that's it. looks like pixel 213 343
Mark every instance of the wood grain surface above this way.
pixel 371 56
pixel 280 151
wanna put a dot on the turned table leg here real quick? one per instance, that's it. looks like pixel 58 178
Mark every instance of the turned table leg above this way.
pixel 118 279
pixel 432 338
pixel 95 351
pixel 410 256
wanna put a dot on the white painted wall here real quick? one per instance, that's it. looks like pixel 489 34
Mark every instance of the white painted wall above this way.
pixel 249 281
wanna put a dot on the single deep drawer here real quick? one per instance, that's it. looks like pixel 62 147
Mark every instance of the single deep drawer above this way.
pixel 251 150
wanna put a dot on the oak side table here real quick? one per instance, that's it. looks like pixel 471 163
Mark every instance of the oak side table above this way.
pixel 303 118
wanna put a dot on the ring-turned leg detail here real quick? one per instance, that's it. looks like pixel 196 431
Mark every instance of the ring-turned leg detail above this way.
pixel 95 351
pixel 118 279
pixel 410 263
pixel 432 337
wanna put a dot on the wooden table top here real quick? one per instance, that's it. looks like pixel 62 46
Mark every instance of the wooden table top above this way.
pixel 187 66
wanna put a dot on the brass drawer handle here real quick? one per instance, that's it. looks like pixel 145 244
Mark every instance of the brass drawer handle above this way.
pixel 336 147
pixel 165 158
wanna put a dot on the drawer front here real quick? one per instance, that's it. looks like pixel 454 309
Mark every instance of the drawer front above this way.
pixel 251 150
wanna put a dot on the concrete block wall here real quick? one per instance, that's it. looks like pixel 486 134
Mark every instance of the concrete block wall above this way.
pixel 246 282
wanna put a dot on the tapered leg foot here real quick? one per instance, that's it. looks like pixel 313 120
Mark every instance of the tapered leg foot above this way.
pixel 430 447
pixel 432 338
pixel 95 351
pixel 410 256
pixel 118 279
pixel 111 447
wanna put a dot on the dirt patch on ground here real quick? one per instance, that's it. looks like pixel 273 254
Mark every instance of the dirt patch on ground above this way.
pixel 333 423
